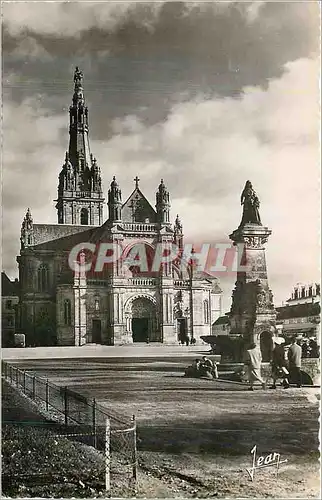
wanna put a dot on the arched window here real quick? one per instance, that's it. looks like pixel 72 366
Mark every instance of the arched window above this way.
pixel 206 311
pixel 67 312
pixel 303 293
pixel 29 239
pixel 84 217
pixel 43 277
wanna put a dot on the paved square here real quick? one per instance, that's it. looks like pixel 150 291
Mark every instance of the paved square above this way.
pixel 195 426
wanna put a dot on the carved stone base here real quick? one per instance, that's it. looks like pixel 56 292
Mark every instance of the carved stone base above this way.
pixel 252 312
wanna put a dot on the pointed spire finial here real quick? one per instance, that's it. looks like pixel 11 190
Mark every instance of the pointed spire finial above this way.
pixel 78 76
pixel 27 221
pixel 28 215
pixel 136 180
pixel 178 223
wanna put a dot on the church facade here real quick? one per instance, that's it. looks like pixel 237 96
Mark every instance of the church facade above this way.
pixel 120 304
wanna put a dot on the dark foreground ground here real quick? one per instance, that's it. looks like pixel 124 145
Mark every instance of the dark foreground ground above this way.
pixel 195 436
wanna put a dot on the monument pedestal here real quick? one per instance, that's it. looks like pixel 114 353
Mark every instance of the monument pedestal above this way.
pixel 252 311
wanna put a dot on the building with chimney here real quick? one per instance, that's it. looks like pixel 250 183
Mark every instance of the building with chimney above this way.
pixel 64 305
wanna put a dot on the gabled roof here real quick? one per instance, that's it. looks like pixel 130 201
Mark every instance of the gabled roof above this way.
pixel 67 242
pixel 222 320
pixel 8 288
pixel 49 232
pixel 137 208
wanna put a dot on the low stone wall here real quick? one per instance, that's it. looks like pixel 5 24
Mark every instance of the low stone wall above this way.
pixel 312 367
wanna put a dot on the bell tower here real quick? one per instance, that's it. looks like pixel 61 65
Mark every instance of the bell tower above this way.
pixel 80 197
pixel 27 232
pixel 114 202
pixel 163 204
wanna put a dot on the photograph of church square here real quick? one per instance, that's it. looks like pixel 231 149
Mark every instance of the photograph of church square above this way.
pixel 160 253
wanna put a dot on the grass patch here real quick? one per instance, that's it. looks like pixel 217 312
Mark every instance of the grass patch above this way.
pixel 38 463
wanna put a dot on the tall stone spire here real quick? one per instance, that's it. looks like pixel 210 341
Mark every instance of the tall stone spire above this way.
pixel 27 231
pixel 178 232
pixel 163 204
pixel 114 202
pixel 79 151
pixel 80 198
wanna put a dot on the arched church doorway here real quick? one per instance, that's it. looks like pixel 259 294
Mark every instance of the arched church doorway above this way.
pixel 84 217
pixel 266 346
pixel 143 320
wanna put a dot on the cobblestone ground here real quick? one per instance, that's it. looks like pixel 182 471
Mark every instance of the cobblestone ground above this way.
pixel 195 436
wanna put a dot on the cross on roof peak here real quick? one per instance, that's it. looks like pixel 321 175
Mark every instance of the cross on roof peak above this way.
pixel 136 180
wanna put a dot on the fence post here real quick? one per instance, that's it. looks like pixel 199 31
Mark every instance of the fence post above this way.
pixel 134 454
pixel 47 394
pixel 65 406
pixel 108 458
pixel 24 382
pixel 34 387
pixel 94 422
pixel 17 377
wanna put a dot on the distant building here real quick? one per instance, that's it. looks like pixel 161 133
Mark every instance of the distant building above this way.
pixel 304 293
pixel 9 303
pixel 301 314
pixel 221 326
pixel 118 304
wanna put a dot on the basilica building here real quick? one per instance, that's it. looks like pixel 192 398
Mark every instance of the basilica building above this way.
pixel 121 304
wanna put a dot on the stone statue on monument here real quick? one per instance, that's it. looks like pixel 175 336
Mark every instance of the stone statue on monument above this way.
pixel 250 201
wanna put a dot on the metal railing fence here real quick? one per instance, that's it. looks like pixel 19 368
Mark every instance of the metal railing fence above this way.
pixel 108 431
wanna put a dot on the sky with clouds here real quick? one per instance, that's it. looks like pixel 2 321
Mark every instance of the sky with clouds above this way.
pixel 205 95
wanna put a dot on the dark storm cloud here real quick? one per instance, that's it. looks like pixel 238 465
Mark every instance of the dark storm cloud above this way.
pixel 142 59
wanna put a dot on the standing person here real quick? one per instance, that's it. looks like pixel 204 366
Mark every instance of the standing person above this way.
pixel 279 369
pixel 294 359
pixel 254 362
pixel 314 350
pixel 305 349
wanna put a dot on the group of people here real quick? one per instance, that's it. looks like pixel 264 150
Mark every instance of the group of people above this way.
pixel 184 339
pixel 286 364
pixel 284 367
pixel 204 367
pixel 310 348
